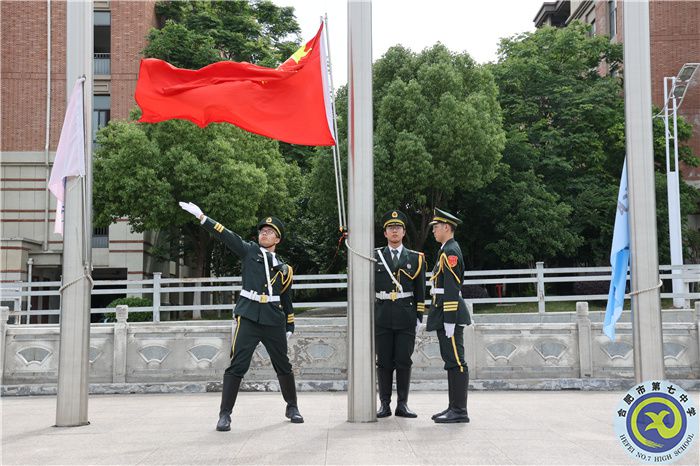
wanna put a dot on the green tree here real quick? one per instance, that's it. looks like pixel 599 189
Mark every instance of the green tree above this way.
pixel 438 131
pixel 141 171
pixel 181 46
pixel 562 119
pixel 257 31
pixel 565 127
pixel 318 222
pixel 515 221
pixel 437 136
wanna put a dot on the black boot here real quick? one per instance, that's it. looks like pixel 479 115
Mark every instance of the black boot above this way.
pixel 229 393
pixel 384 380
pixel 450 394
pixel 403 383
pixel 458 412
pixel 289 393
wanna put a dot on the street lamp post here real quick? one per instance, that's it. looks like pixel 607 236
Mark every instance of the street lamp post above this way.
pixel 674 91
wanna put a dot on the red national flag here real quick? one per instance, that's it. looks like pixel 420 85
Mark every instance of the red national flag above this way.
pixel 290 103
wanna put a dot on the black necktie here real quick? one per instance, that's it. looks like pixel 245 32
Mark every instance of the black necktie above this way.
pixel 395 257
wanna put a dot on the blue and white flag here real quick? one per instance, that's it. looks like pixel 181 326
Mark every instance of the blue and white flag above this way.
pixel 619 259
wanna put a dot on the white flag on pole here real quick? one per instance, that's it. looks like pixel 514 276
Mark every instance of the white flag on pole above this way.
pixel 70 155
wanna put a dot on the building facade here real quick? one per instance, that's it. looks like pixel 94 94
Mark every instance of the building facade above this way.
pixel 675 40
pixel 33 74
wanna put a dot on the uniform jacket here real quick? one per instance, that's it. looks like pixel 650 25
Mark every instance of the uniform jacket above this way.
pixel 254 279
pixel 410 273
pixel 448 274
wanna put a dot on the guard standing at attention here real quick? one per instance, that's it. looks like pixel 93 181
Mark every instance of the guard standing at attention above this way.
pixel 263 313
pixel 399 306
pixel 448 315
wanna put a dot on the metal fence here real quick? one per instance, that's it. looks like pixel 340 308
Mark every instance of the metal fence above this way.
pixel 218 293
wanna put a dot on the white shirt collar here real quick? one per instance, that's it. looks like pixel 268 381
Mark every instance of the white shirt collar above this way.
pixel 274 256
pixel 400 249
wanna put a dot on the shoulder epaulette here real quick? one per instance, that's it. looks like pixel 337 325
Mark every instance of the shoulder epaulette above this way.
pixel 287 274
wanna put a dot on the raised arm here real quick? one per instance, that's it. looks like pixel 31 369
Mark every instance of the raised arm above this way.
pixel 234 242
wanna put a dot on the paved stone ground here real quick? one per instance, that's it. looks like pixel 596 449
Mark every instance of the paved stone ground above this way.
pixel 510 427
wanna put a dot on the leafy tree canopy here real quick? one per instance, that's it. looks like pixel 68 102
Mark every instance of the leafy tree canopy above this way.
pixel 141 171
pixel 437 135
pixel 256 31
pixel 565 127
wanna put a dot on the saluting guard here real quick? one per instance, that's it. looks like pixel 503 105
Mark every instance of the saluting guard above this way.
pixel 399 306
pixel 263 313
pixel 448 315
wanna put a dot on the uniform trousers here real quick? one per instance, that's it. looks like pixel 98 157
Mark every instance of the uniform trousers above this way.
pixel 394 347
pixel 452 349
pixel 246 338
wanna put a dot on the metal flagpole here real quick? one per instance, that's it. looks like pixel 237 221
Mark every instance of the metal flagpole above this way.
pixel 73 365
pixel 361 378
pixel 340 196
pixel 644 260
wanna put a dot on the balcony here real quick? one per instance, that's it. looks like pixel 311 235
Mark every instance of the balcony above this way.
pixel 102 64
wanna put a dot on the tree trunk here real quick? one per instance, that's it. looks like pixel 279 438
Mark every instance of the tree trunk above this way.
pixel 423 231
pixel 426 217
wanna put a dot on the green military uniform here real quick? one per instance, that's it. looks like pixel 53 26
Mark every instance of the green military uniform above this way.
pixel 448 307
pixel 259 307
pixel 400 295
pixel 263 312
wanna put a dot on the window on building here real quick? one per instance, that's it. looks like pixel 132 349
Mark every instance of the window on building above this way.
pixel 101 105
pixel 612 17
pixel 102 42
pixel 591 31
pixel 100 237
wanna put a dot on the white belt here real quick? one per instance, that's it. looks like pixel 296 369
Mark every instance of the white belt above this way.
pixel 434 291
pixel 254 296
pixel 393 295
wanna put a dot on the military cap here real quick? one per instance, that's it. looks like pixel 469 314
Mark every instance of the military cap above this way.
pixel 394 217
pixel 273 222
pixel 440 216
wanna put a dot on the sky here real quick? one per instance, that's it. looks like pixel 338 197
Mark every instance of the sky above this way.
pixel 472 26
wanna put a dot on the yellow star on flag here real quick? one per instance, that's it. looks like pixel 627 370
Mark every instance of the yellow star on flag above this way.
pixel 300 53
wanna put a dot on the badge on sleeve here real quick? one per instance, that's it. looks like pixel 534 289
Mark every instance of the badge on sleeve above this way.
pixel 452 260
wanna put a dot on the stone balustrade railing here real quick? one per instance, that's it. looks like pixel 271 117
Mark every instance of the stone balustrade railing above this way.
pixel 553 350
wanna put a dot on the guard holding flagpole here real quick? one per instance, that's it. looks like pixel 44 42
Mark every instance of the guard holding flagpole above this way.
pixel 399 306
pixel 448 315
pixel 264 312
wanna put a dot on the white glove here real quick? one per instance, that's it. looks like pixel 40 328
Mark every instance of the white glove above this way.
pixel 449 329
pixel 192 208
pixel 418 325
pixel 289 334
